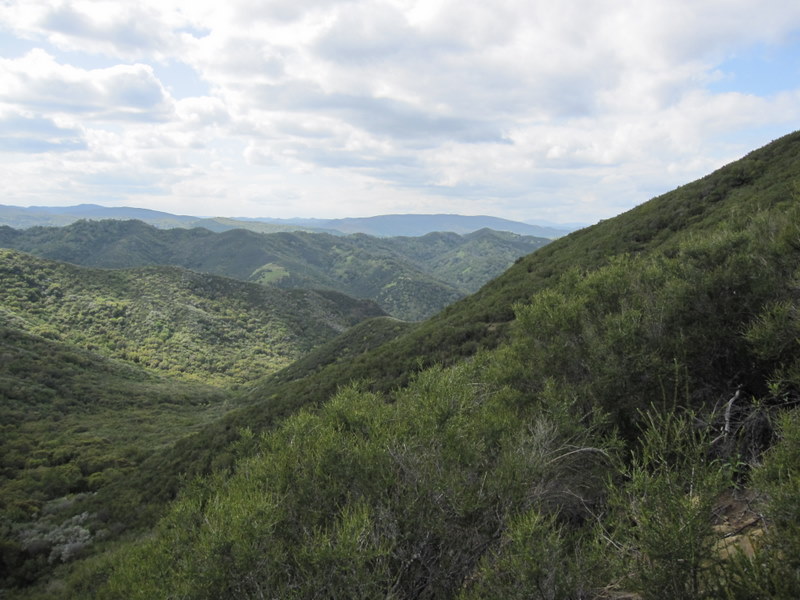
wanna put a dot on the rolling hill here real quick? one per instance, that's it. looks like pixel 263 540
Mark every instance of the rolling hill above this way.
pixel 410 278
pixel 192 326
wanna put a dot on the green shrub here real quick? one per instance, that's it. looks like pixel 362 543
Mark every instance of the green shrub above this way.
pixel 773 571
pixel 534 561
pixel 661 511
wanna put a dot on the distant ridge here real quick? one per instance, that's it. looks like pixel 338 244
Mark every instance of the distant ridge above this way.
pixel 409 225
pixel 20 217
pixel 414 225
pixel 24 217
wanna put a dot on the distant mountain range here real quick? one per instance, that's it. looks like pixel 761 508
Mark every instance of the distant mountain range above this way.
pixel 417 225
pixel 20 217
pixel 411 225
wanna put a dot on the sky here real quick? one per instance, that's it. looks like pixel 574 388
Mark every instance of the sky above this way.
pixel 532 110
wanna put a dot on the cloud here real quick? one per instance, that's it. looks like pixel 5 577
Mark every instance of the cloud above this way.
pixel 377 115
pixel 523 107
pixel 124 30
pixel 122 92
pixel 372 33
pixel 36 134
pixel 202 111
pixel 120 181
pixel 130 32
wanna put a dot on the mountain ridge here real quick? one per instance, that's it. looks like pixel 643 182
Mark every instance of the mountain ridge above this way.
pixel 412 225
pixel 410 278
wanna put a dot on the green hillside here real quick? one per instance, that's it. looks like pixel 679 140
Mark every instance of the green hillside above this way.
pixel 74 422
pixel 635 435
pixel 103 370
pixel 410 278
pixel 763 180
pixel 465 261
pixel 360 339
pixel 192 326
pixel 50 387
pixel 616 416
pixel 483 320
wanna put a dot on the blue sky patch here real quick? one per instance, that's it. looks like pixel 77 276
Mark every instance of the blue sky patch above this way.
pixel 762 70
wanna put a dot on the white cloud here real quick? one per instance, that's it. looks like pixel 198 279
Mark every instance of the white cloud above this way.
pixel 121 29
pixel 201 112
pixel 29 133
pixel 123 92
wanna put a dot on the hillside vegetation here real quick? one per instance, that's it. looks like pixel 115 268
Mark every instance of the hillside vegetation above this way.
pixel 101 370
pixel 616 416
pixel 410 278
pixel 596 453
pixel 74 422
pixel 192 326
